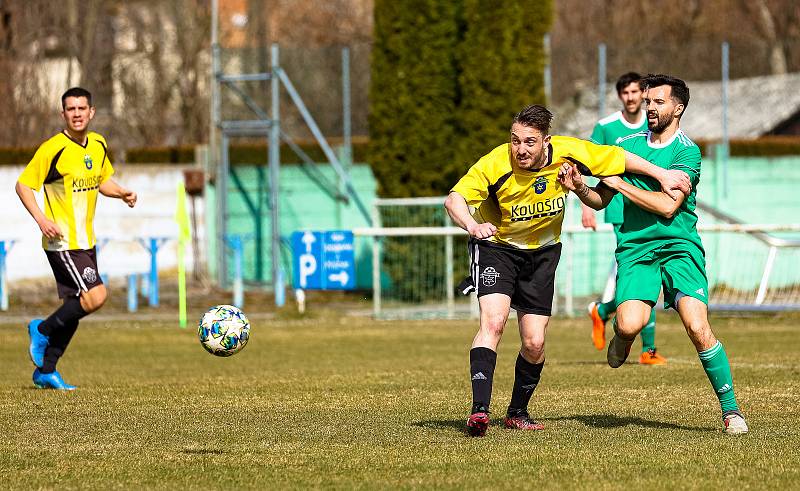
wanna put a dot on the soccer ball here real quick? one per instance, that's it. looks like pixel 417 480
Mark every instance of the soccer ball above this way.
pixel 224 330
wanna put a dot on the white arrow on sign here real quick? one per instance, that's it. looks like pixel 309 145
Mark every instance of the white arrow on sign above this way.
pixel 308 239
pixel 341 277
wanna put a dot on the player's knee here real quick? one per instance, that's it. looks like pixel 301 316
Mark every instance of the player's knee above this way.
pixel 533 347
pixel 628 326
pixel 698 329
pixel 494 324
pixel 94 299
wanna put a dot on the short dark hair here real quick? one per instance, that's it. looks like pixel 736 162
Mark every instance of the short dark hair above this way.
pixel 76 92
pixel 535 116
pixel 680 92
pixel 627 79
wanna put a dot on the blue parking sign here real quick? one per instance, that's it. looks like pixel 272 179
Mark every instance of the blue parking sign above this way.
pixel 323 260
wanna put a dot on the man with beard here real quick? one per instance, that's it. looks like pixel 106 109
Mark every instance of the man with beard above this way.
pixel 515 245
pixel 659 246
pixel 610 131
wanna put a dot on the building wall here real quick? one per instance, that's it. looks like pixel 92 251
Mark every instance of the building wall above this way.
pixel 115 223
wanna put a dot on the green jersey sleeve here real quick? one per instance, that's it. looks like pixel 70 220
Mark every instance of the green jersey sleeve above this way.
pixel 598 135
pixel 688 161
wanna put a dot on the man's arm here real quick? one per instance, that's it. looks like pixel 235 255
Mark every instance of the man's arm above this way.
pixel 457 208
pixel 657 202
pixel 597 197
pixel 49 228
pixel 588 220
pixel 674 183
pixel 113 190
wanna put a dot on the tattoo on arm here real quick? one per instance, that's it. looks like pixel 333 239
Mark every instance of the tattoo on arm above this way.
pixel 582 191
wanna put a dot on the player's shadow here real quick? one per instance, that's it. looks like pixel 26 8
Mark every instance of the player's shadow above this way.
pixel 592 420
pixel 613 421
pixel 203 451
pixel 458 424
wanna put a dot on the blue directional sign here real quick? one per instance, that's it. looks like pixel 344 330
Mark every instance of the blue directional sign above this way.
pixel 323 260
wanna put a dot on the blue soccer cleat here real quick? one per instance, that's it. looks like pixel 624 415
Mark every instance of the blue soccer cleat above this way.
pixel 50 381
pixel 38 342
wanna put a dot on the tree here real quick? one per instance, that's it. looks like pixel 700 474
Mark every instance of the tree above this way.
pixel 501 59
pixel 413 95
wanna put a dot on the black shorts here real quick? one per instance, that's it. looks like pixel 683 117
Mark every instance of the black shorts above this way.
pixel 527 276
pixel 74 270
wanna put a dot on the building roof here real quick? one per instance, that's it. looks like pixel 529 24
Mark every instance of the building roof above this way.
pixel 756 106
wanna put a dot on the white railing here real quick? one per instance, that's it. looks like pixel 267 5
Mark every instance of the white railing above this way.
pixel 567 272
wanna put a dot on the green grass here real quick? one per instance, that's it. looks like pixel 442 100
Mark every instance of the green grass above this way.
pixel 353 403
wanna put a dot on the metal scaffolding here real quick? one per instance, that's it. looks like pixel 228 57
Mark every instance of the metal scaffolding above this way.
pixel 267 124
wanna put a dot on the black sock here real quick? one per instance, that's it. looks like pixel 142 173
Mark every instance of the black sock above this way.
pixel 57 345
pixel 481 370
pixel 60 327
pixel 69 311
pixel 526 378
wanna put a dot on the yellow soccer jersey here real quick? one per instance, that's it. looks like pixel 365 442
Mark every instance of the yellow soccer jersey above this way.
pixel 71 175
pixel 527 207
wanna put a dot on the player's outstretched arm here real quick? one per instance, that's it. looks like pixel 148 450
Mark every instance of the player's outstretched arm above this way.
pixel 457 208
pixel 49 228
pixel 674 183
pixel 111 189
pixel 657 202
pixel 596 198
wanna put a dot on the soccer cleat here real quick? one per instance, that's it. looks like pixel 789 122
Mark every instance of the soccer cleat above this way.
pixel 734 423
pixel 650 357
pixel 522 421
pixel 38 342
pixel 618 351
pixel 477 423
pixel 598 326
pixel 50 381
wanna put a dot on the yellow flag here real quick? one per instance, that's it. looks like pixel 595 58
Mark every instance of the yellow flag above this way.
pixel 182 217
pixel 184 236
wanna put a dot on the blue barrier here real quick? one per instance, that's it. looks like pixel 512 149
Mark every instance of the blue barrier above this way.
pixel 236 243
pixel 5 247
pixel 152 244
pixel 133 294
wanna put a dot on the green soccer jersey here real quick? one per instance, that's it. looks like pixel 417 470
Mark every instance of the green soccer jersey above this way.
pixel 643 231
pixel 609 131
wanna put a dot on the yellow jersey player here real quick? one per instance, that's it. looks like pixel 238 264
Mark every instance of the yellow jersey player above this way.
pixel 72 167
pixel 515 245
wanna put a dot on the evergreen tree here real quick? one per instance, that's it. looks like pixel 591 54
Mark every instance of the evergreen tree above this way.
pixel 413 95
pixel 502 58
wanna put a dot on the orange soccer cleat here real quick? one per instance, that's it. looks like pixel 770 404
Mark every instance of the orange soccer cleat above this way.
pixel 650 357
pixel 598 327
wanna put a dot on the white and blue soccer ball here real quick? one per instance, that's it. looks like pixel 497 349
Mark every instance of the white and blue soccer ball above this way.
pixel 224 330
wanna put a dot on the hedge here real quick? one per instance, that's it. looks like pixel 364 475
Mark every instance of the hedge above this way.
pixel 239 154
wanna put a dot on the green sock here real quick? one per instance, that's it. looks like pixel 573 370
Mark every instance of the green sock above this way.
pixel 715 363
pixel 604 310
pixel 649 332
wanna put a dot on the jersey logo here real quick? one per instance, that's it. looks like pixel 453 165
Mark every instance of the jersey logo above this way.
pixel 489 276
pixel 87 161
pixel 540 184
pixel 89 275
pixel 701 292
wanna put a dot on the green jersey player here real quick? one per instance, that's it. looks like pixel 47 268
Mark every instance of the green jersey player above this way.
pixel 611 130
pixel 659 246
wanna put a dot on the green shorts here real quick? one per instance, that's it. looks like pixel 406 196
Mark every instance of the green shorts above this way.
pixel 676 269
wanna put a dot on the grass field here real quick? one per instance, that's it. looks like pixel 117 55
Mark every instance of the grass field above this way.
pixel 352 403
